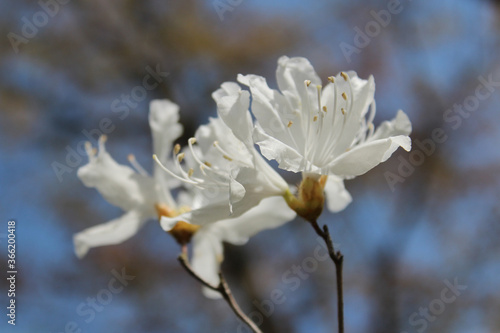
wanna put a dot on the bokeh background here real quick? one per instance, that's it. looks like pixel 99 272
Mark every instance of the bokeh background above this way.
pixel 400 244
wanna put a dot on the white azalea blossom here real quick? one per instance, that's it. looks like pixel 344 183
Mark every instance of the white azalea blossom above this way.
pixel 233 176
pixel 224 164
pixel 134 191
pixel 322 131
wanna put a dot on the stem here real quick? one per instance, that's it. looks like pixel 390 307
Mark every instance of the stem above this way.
pixel 338 260
pixel 223 289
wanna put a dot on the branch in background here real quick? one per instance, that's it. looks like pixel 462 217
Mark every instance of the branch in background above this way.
pixel 223 289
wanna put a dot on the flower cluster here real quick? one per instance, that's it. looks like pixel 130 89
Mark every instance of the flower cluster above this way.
pixel 226 191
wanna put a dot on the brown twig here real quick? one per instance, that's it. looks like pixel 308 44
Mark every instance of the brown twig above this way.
pixel 338 260
pixel 223 289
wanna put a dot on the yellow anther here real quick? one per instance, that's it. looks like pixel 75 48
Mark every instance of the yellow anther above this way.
pixel 208 164
pixel 344 75
pixel 343 111
pixel 190 172
pixel 324 109
pixel 177 149
pixel 192 141
pixel 307 82
pixel 180 157
pixel 227 158
pixel 331 79
pixel 290 123
pixel 315 118
pixel 344 96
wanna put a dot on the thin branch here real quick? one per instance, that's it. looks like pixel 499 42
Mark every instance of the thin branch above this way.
pixel 338 259
pixel 223 289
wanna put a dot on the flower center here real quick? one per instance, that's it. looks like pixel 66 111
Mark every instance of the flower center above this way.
pixel 324 125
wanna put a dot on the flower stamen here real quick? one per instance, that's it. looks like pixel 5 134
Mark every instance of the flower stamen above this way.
pixel 155 158
pixel 132 160
pixel 192 141
pixel 91 151
pixel 177 149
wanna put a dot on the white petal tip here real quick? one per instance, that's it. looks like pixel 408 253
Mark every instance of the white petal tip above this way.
pixel 81 249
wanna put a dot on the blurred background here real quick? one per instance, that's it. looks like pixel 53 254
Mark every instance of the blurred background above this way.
pixel 418 223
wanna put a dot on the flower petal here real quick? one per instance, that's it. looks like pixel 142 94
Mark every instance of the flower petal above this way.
pixel 120 185
pixel 207 242
pixel 165 129
pixel 366 156
pixel 206 259
pixel 291 75
pixel 232 107
pixel 274 149
pixel 362 96
pixel 113 232
pixel 233 150
pixel 273 112
pixel 212 212
pixel 337 197
pixel 236 191
pixel 269 214
pixel 400 125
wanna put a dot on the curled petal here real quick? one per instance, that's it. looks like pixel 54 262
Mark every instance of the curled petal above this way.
pixel 400 125
pixel 232 106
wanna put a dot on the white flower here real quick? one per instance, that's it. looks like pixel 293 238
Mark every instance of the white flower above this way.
pixel 322 131
pixel 133 191
pixel 233 192
pixel 236 173
pixel 224 165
